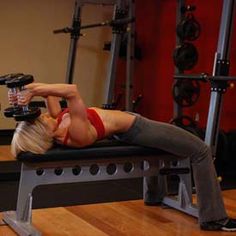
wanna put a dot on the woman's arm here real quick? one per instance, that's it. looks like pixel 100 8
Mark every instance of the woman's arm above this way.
pixel 52 102
pixel 80 128
pixel 53 105
pixel 44 90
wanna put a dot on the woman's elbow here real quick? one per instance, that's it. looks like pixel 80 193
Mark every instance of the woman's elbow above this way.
pixel 72 90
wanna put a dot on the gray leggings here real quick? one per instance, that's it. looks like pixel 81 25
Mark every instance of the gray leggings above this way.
pixel 177 141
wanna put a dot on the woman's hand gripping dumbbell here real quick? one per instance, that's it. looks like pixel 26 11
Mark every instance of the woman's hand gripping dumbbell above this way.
pixel 17 93
pixel 12 94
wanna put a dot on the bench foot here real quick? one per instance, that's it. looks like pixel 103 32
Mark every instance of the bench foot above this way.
pixel 20 227
pixel 182 201
pixel 172 202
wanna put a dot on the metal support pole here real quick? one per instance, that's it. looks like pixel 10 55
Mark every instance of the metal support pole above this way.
pixel 221 67
pixel 180 3
pixel 119 9
pixel 73 43
pixel 130 58
pixel 115 49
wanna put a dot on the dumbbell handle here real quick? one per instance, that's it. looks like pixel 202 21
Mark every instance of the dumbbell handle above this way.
pixel 14 95
pixel 17 84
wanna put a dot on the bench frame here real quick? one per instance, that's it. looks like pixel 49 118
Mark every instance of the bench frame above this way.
pixel 38 173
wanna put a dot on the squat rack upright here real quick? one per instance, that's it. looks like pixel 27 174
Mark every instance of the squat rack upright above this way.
pixel 220 75
pixel 221 68
pixel 119 16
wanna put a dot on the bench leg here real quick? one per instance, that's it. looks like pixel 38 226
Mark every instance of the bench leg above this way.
pixel 23 226
pixel 155 190
pixel 183 200
pixel 21 219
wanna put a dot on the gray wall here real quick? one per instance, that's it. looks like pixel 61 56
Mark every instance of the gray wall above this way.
pixel 28 45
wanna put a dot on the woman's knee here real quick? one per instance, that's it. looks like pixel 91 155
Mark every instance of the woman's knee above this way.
pixel 203 151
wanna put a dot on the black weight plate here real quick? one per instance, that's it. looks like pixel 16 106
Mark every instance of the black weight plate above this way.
pixel 188 29
pixel 12 83
pixel 7 77
pixel 10 111
pixel 185 56
pixel 2 80
pixel 186 92
pixel 20 81
pixel 32 114
pixel 183 121
pixel 24 80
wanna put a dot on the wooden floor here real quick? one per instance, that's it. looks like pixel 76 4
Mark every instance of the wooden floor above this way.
pixel 120 218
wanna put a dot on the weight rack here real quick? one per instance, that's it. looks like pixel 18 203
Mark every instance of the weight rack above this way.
pixel 220 75
pixel 120 7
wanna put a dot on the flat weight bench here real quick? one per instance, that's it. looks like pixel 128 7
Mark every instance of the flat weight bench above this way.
pixel 106 160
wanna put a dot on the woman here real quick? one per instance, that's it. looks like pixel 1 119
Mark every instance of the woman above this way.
pixel 78 126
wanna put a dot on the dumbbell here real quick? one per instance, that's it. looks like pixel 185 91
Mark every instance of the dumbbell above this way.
pixel 3 79
pixel 22 113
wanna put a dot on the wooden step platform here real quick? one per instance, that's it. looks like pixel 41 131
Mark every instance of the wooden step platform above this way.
pixel 119 219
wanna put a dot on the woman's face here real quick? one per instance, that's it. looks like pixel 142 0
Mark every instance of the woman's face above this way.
pixel 49 122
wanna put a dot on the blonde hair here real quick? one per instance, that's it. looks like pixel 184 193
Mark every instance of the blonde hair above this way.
pixel 31 137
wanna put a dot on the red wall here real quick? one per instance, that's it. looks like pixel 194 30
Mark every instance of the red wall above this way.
pixel 155 25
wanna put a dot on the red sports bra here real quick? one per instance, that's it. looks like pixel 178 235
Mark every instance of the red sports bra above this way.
pixel 94 119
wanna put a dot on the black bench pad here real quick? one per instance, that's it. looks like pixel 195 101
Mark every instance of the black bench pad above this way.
pixel 102 149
